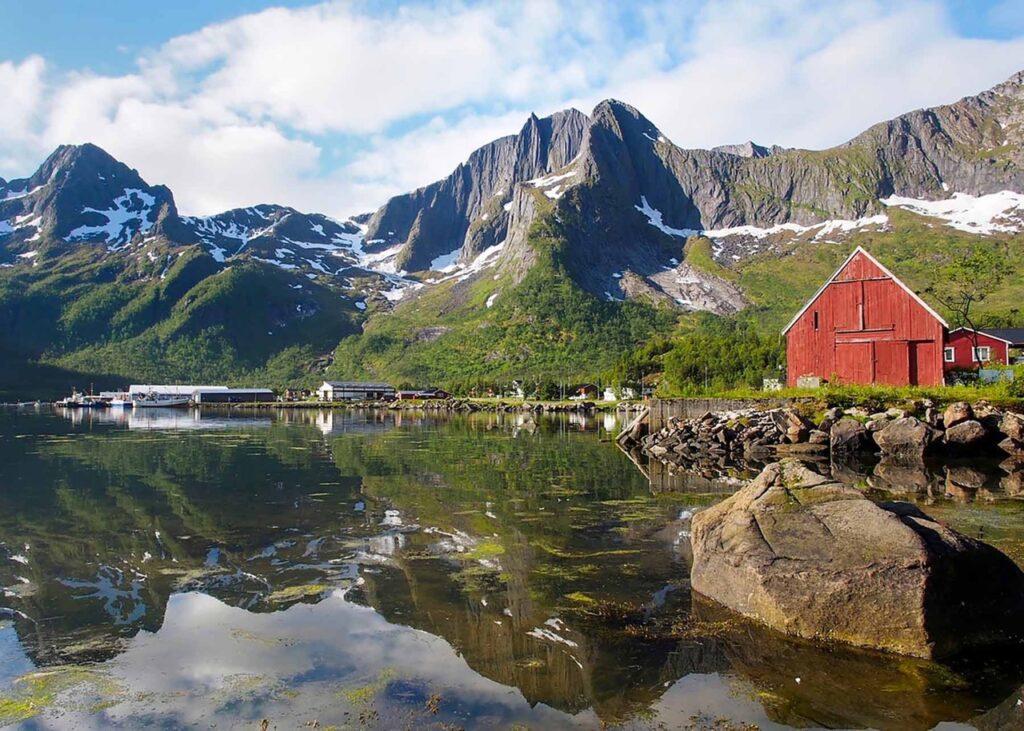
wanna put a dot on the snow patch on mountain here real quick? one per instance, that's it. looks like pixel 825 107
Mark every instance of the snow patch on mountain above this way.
pixel 11 194
pixel 130 215
pixel 382 261
pixel 1001 212
pixel 655 218
pixel 485 259
pixel 276 262
pixel 445 262
pixel 547 181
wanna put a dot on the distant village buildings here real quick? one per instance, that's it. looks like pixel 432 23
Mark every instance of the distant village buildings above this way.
pixel 201 394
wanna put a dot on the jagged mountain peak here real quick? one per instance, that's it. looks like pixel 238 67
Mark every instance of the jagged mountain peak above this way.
pixel 82 194
pixel 1012 86
pixel 623 120
pixel 466 212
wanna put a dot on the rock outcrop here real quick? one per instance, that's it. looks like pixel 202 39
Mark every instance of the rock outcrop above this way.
pixel 814 558
pixel 907 438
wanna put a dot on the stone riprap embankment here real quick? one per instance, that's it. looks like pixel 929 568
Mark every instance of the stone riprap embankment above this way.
pixel 815 558
pixel 903 435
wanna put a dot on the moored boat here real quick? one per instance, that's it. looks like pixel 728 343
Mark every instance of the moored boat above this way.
pixel 81 401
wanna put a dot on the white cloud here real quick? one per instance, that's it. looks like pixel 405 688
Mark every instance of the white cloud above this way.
pixel 21 92
pixel 335 107
pixel 814 75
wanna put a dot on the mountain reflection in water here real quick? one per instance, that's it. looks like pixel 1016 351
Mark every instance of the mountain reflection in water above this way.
pixel 395 570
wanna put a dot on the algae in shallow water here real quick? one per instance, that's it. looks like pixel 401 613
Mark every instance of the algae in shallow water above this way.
pixel 294 593
pixel 484 550
pixel 363 695
pixel 36 691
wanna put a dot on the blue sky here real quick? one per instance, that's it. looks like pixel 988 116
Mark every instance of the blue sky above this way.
pixel 335 106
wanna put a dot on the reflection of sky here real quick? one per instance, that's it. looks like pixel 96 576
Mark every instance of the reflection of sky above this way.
pixel 13 661
pixel 207 654
pixel 213 664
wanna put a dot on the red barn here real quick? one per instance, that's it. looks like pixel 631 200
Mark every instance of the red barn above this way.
pixel 959 351
pixel 866 326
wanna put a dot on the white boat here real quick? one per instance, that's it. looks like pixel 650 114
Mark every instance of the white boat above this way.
pixel 120 403
pixel 81 401
pixel 160 400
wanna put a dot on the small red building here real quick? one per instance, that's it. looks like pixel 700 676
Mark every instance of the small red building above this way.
pixel 959 351
pixel 866 326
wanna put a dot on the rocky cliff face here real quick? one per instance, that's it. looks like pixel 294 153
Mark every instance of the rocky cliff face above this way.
pixel 631 198
pixel 465 213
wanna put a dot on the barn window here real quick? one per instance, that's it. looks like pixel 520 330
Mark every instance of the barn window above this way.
pixel 815 319
pixel 949 354
pixel 982 354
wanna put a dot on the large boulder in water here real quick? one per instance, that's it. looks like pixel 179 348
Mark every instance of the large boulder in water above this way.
pixel 814 558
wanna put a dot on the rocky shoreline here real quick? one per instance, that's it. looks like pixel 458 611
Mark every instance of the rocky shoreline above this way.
pixel 904 435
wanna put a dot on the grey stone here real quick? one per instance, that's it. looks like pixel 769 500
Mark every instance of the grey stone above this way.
pixel 848 435
pixel 907 438
pixel 816 559
pixel 1012 425
pixel 965 434
pixel 957 412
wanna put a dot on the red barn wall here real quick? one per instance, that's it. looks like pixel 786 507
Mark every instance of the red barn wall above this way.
pixel 866 328
pixel 962 342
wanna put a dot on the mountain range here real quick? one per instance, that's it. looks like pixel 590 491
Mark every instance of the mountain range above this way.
pixel 548 253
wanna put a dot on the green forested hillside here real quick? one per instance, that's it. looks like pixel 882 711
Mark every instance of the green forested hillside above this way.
pixel 89 317
pixel 544 327
pixel 725 352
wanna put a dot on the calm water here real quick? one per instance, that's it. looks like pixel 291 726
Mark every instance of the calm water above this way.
pixel 388 571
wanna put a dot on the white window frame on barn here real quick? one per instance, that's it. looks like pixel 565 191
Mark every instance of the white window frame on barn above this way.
pixel 949 354
pixel 982 349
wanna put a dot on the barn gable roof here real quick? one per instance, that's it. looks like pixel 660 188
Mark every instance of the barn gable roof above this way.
pixel 880 265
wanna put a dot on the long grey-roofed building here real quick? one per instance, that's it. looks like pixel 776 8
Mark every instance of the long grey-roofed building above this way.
pixel 355 391
pixel 234 396
pixel 170 390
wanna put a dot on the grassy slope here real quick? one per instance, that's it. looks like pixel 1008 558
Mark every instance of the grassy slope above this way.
pixel 547 328
pixel 544 327
pixel 713 354
pixel 914 250
pixel 91 317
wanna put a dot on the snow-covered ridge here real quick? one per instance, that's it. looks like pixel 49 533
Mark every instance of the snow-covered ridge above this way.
pixel 1001 212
